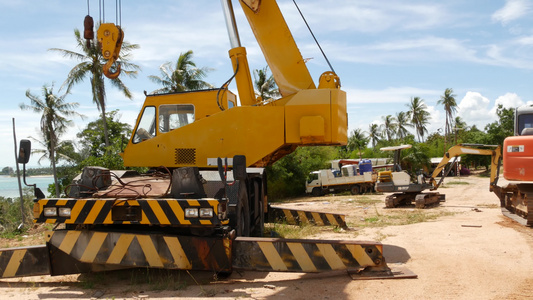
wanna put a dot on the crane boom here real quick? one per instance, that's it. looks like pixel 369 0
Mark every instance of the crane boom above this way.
pixel 272 33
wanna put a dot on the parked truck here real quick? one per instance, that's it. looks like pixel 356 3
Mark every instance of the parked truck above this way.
pixel 353 178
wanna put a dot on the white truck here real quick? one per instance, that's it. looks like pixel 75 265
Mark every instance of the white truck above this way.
pixel 332 181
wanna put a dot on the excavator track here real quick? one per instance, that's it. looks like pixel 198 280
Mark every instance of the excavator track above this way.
pixel 428 199
pixel 389 201
pixel 399 199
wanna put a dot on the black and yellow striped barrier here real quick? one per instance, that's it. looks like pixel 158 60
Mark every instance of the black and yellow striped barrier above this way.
pixel 75 251
pixel 24 261
pixel 269 254
pixel 297 217
pixel 116 249
pixel 122 211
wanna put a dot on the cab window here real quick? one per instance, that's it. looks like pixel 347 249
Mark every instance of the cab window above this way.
pixel 524 121
pixel 146 128
pixel 174 116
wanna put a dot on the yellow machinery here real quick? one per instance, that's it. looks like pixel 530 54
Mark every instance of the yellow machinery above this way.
pixel 194 128
pixel 190 213
pixel 405 192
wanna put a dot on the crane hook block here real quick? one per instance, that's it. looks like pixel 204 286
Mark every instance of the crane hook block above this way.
pixel 88 32
pixel 110 37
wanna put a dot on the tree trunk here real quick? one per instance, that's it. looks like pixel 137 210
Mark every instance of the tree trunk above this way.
pixel 104 122
pixel 54 171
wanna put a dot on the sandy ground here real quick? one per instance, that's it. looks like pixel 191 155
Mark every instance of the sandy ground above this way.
pixel 469 251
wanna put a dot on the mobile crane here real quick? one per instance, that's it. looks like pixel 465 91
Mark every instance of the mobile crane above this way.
pixel 191 213
pixel 405 192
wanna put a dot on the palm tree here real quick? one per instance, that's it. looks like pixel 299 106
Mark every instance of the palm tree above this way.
pixel 418 116
pixel 91 63
pixel 388 127
pixel 450 107
pixel 265 86
pixel 357 141
pixel 54 112
pixel 374 134
pixel 402 122
pixel 183 76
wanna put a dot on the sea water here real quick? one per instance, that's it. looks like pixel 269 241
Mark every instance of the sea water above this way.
pixel 9 187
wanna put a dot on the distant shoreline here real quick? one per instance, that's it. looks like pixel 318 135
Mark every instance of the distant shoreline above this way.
pixel 28 176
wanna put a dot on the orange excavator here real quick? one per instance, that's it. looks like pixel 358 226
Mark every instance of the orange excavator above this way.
pixel 516 194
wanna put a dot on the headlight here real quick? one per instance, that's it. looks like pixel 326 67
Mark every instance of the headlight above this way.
pixel 50 212
pixel 206 212
pixel 64 212
pixel 191 212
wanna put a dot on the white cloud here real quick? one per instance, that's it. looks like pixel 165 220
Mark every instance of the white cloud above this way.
pixel 474 110
pixel 512 10
pixel 509 100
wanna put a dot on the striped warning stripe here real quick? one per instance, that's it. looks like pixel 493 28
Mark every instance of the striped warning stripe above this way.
pixel 266 254
pixel 142 250
pixel 122 211
pixel 27 261
pixel 297 217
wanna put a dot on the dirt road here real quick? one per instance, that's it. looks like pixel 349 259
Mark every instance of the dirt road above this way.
pixel 462 249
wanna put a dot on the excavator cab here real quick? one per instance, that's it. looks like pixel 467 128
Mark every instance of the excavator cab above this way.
pixel 390 180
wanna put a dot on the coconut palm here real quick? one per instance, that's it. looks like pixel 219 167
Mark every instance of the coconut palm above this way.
pixel 402 122
pixel 374 134
pixel 450 107
pixel 357 141
pixel 418 116
pixel 388 127
pixel 54 112
pixel 91 63
pixel 265 86
pixel 183 76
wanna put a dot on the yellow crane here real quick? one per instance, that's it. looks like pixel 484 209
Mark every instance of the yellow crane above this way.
pixel 190 213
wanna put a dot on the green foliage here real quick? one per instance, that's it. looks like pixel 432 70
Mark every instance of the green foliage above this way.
pixel 7 171
pixel 502 128
pixel 93 151
pixel 10 214
pixel 287 177
pixel 93 139
pixel 416 158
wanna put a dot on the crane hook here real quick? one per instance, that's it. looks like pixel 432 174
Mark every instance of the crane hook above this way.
pixel 110 37
pixel 107 69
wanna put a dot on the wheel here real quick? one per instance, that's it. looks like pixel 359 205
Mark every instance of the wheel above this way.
pixel 316 192
pixel 355 190
pixel 243 213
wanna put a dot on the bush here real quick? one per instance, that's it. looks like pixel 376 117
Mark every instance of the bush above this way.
pixel 10 215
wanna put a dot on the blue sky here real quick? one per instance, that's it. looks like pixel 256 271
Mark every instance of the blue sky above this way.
pixel 385 52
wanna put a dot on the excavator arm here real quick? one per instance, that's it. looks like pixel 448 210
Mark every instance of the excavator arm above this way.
pixel 461 149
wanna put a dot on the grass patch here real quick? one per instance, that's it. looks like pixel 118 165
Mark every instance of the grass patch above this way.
pixel 489 205
pixel 365 200
pixel 399 217
pixel 287 231
pixel 458 183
